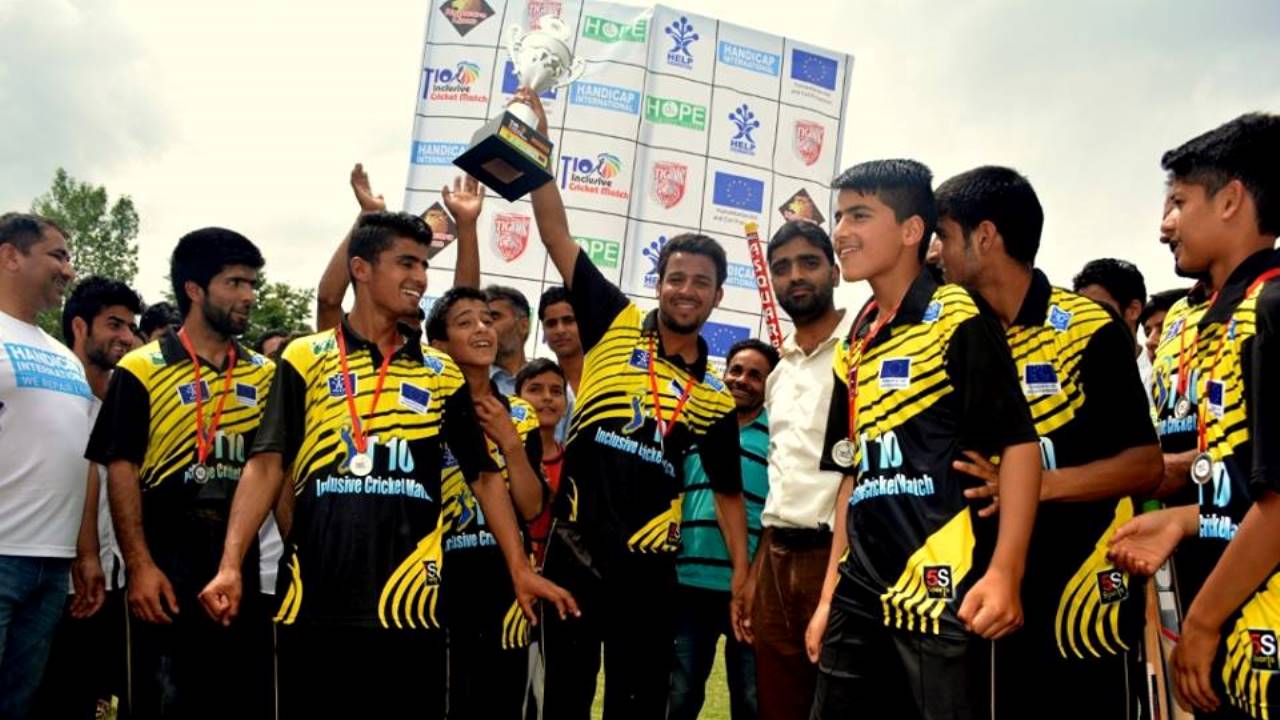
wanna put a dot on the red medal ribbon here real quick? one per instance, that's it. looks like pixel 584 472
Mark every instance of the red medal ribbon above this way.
pixel 204 438
pixel 357 429
pixel 862 349
pixel 663 426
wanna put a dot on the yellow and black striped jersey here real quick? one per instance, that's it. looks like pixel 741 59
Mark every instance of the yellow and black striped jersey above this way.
pixel 149 419
pixel 936 380
pixel 1239 399
pixel 622 482
pixel 1075 361
pixel 479 597
pixel 366 550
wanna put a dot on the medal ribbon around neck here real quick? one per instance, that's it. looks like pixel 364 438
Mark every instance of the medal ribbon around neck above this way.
pixel 665 427
pixel 204 437
pixel 358 435
pixel 876 327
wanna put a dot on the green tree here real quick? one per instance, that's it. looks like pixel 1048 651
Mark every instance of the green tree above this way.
pixel 101 234
pixel 280 306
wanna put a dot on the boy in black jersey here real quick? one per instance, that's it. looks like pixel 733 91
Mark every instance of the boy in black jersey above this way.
pixel 923 376
pixel 1079 652
pixel 359 418
pixel 488 635
pixel 1221 221
pixel 646 397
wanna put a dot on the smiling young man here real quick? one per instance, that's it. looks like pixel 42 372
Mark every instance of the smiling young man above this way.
pixel 359 417
pixel 560 329
pixel 1221 221
pixel 172 434
pixel 1098 450
pixel 901 627
pixel 646 399
pixel 488 635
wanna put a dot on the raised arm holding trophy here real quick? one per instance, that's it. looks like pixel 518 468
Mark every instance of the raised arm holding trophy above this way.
pixel 508 154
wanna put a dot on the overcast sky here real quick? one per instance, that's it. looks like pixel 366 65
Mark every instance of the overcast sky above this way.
pixel 249 114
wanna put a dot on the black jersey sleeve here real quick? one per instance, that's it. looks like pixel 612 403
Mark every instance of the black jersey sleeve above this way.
pixel 596 301
pixel 1264 390
pixel 1117 402
pixel 993 410
pixel 282 419
pixel 121 431
pixel 837 421
pixel 720 454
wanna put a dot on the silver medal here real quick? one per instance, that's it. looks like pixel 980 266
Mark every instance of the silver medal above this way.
pixel 361 465
pixel 1202 468
pixel 842 453
pixel 1182 408
pixel 201 473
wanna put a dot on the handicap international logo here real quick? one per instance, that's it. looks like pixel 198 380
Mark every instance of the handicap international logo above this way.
pixel 453 84
pixel 721 336
pixel 1059 319
pixel 801 207
pixel 592 176
pixel 741 275
pixel 510 235
pixel 651 253
pixel 436 153
pixel 668 183
pixel 682 36
pixel 750 59
pixel 672 111
pixel 465 15
pixel 806 140
pixel 813 69
pixel 738 192
pixel 443 229
pixel 745 122
pixel 605 97
pixel 41 369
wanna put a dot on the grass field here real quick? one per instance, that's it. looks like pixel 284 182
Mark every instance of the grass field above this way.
pixel 715 708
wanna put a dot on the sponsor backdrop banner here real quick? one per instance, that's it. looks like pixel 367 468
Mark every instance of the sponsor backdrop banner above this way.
pixel 682 123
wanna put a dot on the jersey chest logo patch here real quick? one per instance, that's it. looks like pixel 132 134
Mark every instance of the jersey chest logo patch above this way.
pixel 1262 643
pixel 415 398
pixel 938 583
pixel 1040 379
pixel 932 312
pixel 247 394
pixel 187 392
pixel 639 359
pixel 337 388
pixel 1216 392
pixel 895 373
pixel 1059 319
pixel 1112 587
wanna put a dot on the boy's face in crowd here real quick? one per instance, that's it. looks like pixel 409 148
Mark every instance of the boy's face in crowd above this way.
pixel 1154 327
pixel 111 336
pixel 545 393
pixel 868 238
pixel 687 291
pixel 560 328
pixel 472 339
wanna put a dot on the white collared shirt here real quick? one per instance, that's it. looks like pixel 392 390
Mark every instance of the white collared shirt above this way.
pixel 797 396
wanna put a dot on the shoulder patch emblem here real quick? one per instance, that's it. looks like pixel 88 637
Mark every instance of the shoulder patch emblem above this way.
pixel 1059 319
pixel 932 312
pixel 434 364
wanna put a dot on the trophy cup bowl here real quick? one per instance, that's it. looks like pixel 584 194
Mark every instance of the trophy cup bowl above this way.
pixel 508 154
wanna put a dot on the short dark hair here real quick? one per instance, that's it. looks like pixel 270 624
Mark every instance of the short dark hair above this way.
pixel 511 295
pixel 202 254
pixel 551 296
pixel 536 367
pixel 161 314
pixel 91 296
pixel 1161 302
pixel 1120 278
pixel 1243 149
pixel 1002 196
pixel 810 231
pixel 769 352
pixel 22 230
pixel 267 335
pixel 904 185
pixel 375 231
pixel 438 318
pixel 695 244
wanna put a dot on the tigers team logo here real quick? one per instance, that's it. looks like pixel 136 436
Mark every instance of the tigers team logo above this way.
pixel 668 183
pixel 510 235
pixel 807 141
pixel 938 582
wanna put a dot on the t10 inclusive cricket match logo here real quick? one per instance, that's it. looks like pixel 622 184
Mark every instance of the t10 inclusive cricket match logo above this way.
pixel 592 176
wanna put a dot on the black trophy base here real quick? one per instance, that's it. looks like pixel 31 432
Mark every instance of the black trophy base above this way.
pixel 508 156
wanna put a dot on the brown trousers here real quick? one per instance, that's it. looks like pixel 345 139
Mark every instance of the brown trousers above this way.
pixel 787 590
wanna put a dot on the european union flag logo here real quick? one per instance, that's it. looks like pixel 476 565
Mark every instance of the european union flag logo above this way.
pixel 895 373
pixel 415 398
pixel 187 392
pixel 739 192
pixel 813 69
pixel 1215 395
pixel 1040 379
pixel 337 388
pixel 510 82
pixel 720 337
pixel 1058 318
pixel 247 394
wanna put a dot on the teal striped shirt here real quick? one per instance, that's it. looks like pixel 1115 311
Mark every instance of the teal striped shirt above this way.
pixel 704 559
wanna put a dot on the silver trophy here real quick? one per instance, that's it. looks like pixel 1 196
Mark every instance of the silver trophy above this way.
pixel 508 154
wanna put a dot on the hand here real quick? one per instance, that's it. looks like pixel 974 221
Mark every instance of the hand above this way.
pixel 737 604
pixel 496 422
pixel 530 586
pixel 988 473
pixel 743 629
pixel 90 585
pixel 364 195
pixel 530 98
pixel 992 608
pixel 1192 662
pixel 464 200
pixel 1143 544
pixel 149 592
pixel 221 597
pixel 814 633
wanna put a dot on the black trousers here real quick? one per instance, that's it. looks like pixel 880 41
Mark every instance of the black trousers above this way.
pixel 88 664
pixel 627 611
pixel 1033 680
pixel 486 682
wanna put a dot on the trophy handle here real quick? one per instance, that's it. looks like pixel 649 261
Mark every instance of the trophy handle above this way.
pixel 575 72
